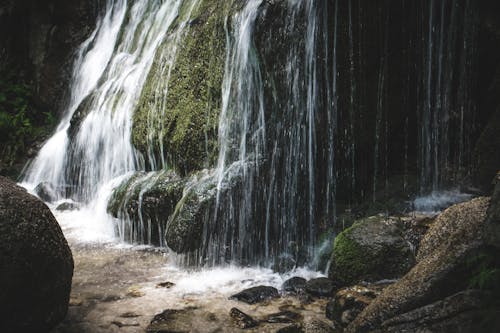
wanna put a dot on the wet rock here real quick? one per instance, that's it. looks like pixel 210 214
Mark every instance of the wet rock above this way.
pixel 150 197
pixel 129 315
pixel 256 294
pixel 67 206
pixel 185 226
pixel 349 302
pixel 283 317
pixel 294 285
pixel 121 324
pixel 461 312
pixel 318 326
pixel 167 285
pixel 46 192
pixel 372 249
pixel 172 320
pixel 320 287
pixel 36 265
pixel 291 329
pixel 457 237
pixel 242 320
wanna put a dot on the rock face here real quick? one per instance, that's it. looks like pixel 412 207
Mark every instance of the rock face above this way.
pixel 372 249
pixel 189 117
pixel 36 265
pixel 425 296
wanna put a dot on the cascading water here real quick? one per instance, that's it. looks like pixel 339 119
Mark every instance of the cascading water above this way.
pixel 307 120
pixel 92 144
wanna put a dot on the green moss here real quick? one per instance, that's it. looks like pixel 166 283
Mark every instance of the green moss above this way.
pixel 351 259
pixel 371 249
pixel 183 113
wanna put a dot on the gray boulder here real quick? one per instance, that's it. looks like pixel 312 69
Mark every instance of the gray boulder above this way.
pixel 445 268
pixel 36 265
pixel 371 249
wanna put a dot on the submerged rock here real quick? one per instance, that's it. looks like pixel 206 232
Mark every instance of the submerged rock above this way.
pixel 371 249
pixel 283 317
pixel 321 287
pixel 36 265
pixel 256 294
pixel 189 319
pixel 242 320
pixel 445 267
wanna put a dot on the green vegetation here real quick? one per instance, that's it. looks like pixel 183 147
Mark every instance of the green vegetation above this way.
pixel 20 123
pixel 183 113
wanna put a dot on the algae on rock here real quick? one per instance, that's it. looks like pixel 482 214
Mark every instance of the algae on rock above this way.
pixel 177 115
pixel 372 249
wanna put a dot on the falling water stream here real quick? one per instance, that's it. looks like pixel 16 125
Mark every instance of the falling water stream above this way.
pixel 279 132
pixel 287 136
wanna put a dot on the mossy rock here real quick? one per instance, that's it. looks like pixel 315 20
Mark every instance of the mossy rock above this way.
pixel 177 115
pixel 185 227
pixel 371 249
pixel 150 197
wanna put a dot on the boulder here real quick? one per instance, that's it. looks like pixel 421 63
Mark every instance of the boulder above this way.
pixel 36 265
pixel 151 197
pixel 241 319
pixel 256 294
pixel 446 266
pixel 461 312
pixel 46 192
pixel 183 320
pixel 184 231
pixel 294 285
pixel 321 287
pixel 371 249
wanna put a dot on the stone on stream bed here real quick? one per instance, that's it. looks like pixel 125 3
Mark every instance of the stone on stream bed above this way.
pixel 256 294
pixel 320 287
pixel 283 317
pixel 294 285
pixel 242 320
pixel 182 320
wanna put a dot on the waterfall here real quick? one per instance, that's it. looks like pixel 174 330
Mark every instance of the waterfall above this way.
pixel 91 146
pixel 304 119
pixel 447 104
